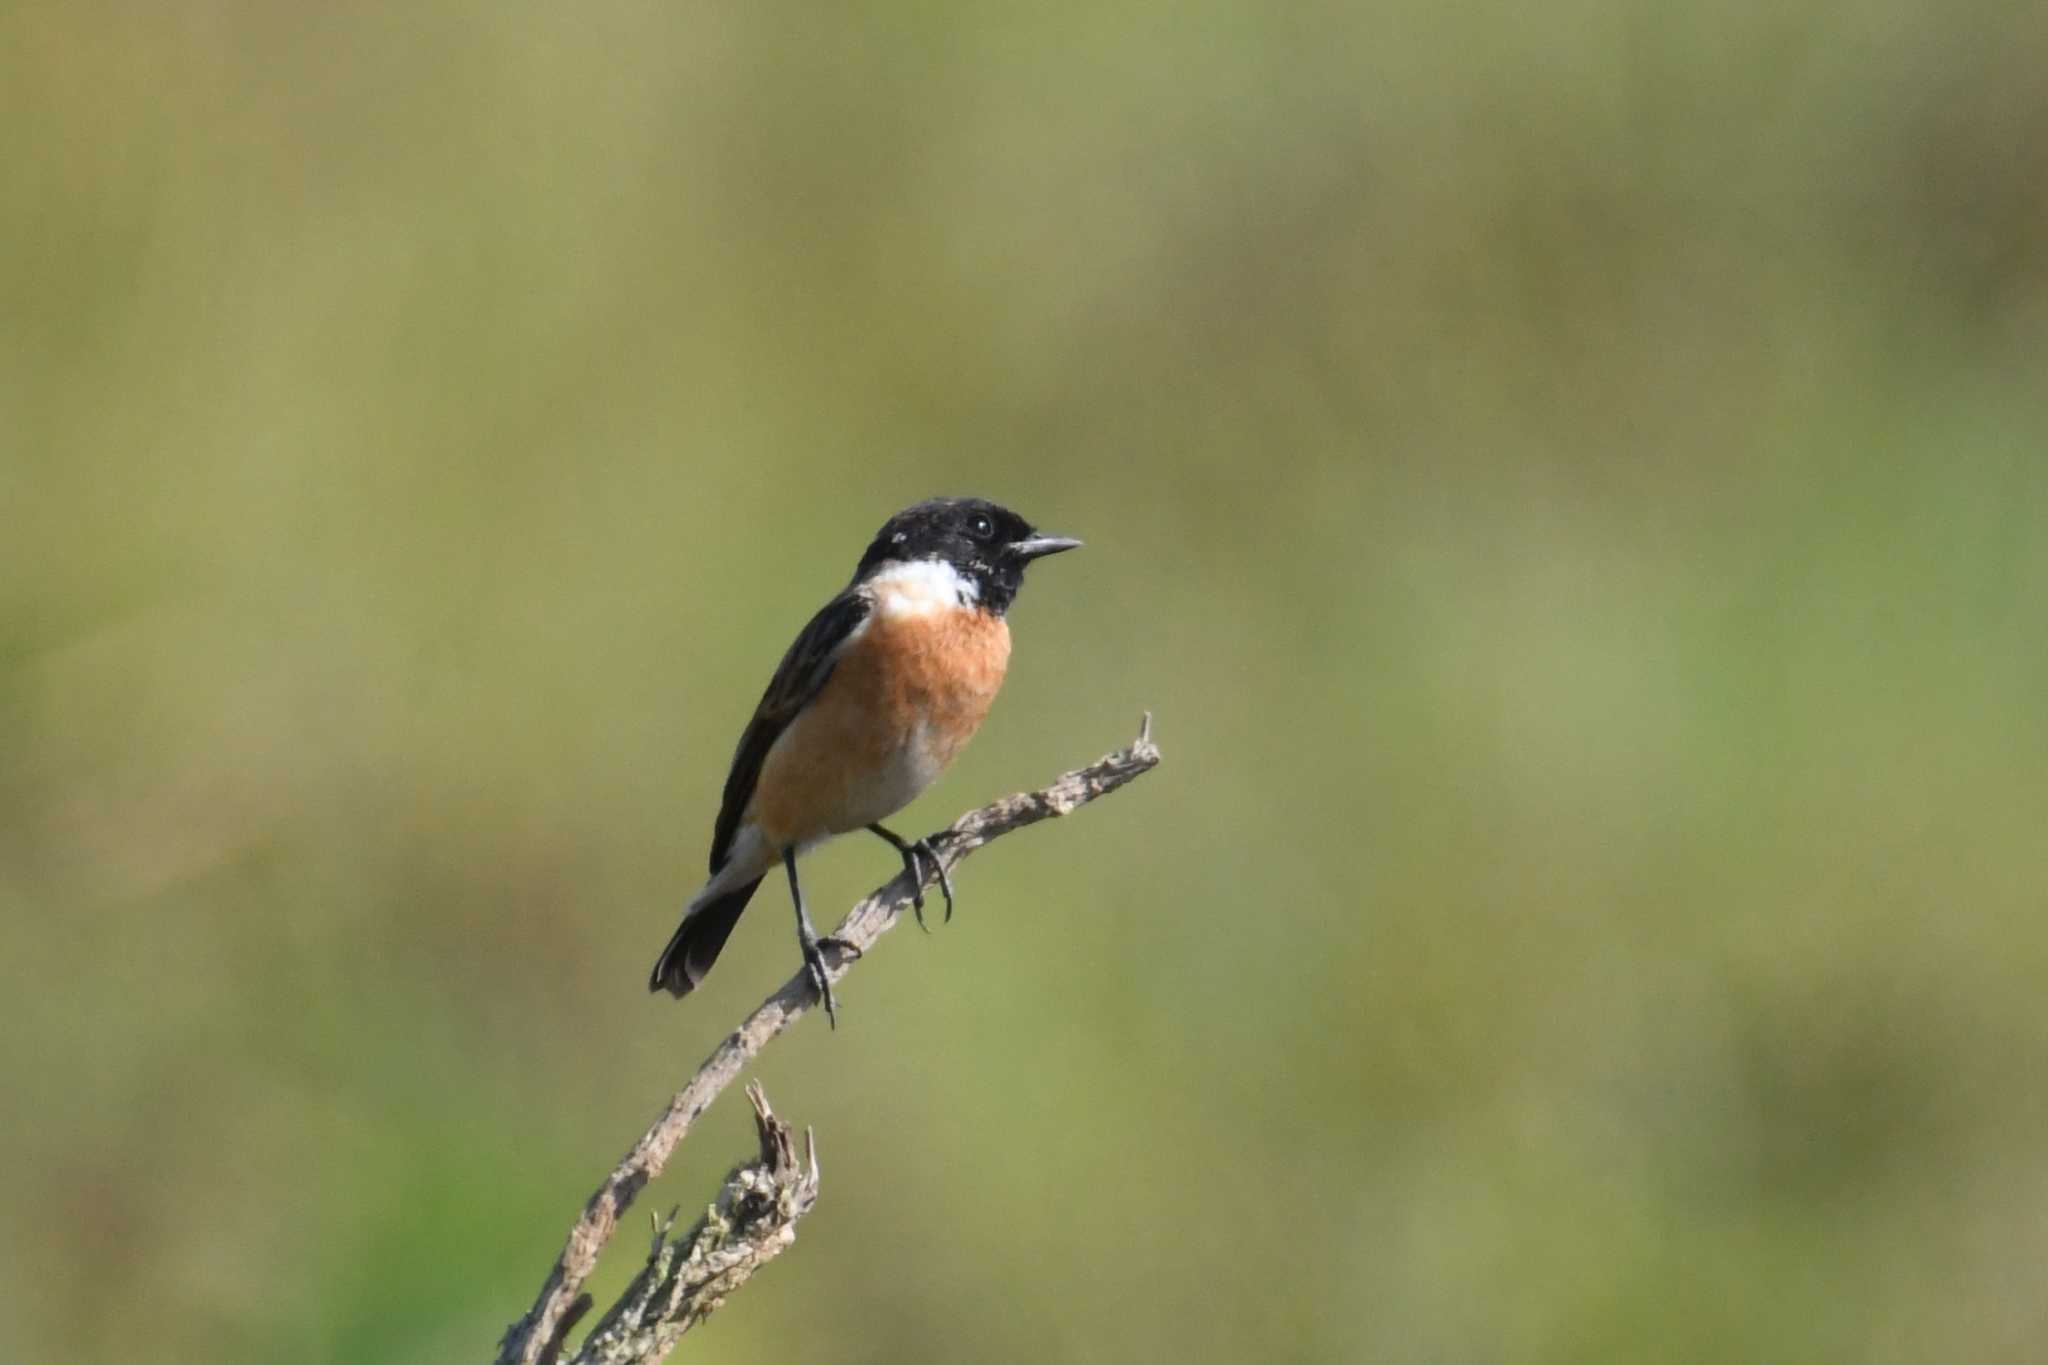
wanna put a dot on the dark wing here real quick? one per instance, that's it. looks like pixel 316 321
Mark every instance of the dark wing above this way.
pixel 797 679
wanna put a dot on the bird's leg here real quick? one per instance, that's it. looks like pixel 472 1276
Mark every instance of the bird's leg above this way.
pixel 911 852
pixel 812 945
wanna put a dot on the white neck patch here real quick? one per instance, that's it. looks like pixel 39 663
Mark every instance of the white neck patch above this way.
pixel 922 586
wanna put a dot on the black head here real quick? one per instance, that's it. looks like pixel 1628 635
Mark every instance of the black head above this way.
pixel 987 543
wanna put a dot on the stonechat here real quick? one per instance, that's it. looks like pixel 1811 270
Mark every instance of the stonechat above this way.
pixel 880 691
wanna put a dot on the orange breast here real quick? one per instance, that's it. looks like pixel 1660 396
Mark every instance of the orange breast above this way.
pixel 939 669
pixel 905 697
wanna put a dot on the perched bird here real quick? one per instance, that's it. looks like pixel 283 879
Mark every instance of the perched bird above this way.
pixel 885 685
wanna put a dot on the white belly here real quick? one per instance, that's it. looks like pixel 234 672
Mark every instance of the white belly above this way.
pixel 898 782
pixel 900 779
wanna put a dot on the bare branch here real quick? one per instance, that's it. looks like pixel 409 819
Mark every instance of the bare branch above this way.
pixel 685 1280
pixel 540 1333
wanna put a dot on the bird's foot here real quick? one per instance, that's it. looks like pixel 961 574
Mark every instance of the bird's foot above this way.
pixel 916 875
pixel 924 847
pixel 821 983
pixel 821 980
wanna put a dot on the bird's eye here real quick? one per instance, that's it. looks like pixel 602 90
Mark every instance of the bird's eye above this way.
pixel 983 527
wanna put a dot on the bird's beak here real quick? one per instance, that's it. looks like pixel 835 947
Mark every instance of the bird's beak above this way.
pixel 1037 547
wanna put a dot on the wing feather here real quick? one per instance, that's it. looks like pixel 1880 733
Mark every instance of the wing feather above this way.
pixel 798 677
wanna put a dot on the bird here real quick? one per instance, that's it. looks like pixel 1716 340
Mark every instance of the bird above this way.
pixel 878 694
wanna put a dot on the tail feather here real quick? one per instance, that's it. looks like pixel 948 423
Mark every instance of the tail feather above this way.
pixel 689 955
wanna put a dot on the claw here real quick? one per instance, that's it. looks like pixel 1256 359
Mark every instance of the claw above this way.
pixel 814 965
pixel 910 852
pixel 924 846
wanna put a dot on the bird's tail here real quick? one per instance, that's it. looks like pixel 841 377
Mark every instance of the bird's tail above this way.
pixel 689 955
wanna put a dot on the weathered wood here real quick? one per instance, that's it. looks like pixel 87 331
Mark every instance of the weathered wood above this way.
pixel 687 1278
pixel 537 1338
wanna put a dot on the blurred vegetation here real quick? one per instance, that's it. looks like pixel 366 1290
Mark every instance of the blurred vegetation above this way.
pixel 1570 481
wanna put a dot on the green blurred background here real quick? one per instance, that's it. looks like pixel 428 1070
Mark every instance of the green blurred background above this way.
pixel 1568 479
